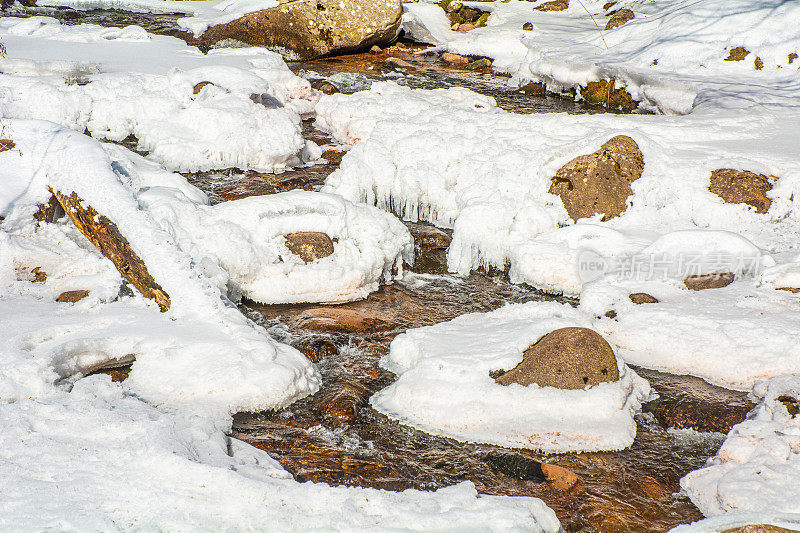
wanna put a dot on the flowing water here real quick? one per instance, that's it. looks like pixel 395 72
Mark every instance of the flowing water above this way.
pixel 337 438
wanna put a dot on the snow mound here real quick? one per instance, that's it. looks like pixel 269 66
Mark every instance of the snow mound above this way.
pixel 757 468
pixel 719 524
pixel 98 458
pixel 444 386
pixel 202 351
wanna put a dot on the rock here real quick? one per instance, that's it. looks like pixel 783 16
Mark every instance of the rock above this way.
pixel 341 319
pixel 317 349
pixel 452 7
pixel 199 86
pixel 478 64
pixel 605 93
pixel 611 314
pixel 608 5
pixel 792 57
pixel 599 182
pixel 642 298
pixel 791 404
pixel 759 528
pixel 455 26
pixel 619 18
pixel 309 245
pixel 429 237
pixel 375 50
pixel 333 157
pixel 267 100
pixel 72 296
pixel 454 59
pixel 397 62
pixel 515 465
pixel 559 477
pixel 105 235
pixel 741 187
pixel 324 86
pixel 340 403
pixel 709 281
pixel 310 29
pixel 467 26
pixel 528 26
pixel 737 54
pixel 533 89
pixel 6 145
pixel 567 358
pixel 554 5
pixel 758 64
pixel 39 275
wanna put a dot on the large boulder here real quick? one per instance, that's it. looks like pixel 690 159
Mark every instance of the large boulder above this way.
pixel 567 358
pixel 309 245
pixel 307 29
pixel 600 182
pixel 741 187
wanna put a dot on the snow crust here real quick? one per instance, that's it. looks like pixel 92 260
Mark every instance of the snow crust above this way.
pixel 757 468
pixel 98 458
pixel 220 127
pixel 444 386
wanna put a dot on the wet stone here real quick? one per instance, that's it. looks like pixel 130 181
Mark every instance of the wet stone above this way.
pixel 429 237
pixel 317 349
pixel 325 86
pixel 516 465
pixel 559 477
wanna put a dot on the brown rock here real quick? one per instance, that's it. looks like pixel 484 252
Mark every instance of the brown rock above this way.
pixel 605 93
pixel 72 296
pixel 199 86
pixel 105 235
pixel 790 403
pixel 709 281
pixel 741 187
pixel 759 528
pixel 324 86
pixel 528 26
pixel 333 157
pixel 737 54
pixel 397 62
pixel 599 182
pixel 567 358
pixel 467 26
pixel 792 57
pixel 312 28
pixel 619 18
pixel 317 349
pixel 341 319
pixel 642 298
pixel 375 50
pixel 429 237
pixel 309 245
pixel 6 145
pixel 554 5
pixel 39 275
pixel 758 64
pixel 793 290
pixel 454 59
pixel 559 477
pixel 608 5
pixel 533 89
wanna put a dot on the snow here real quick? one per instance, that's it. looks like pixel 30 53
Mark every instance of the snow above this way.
pixel 220 127
pixel 490 180
pixel 98 458
pixel 720 524
pixel 202 14
pixel 757 468
pixel 444 386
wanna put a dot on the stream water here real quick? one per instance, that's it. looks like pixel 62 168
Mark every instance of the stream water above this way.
pixel 337 438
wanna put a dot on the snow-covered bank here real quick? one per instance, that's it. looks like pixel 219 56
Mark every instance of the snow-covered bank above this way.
pixel 97 458
pixel 444 385
pixel 90 78
pixel 758 466
pixel 671 56
pixel 491 178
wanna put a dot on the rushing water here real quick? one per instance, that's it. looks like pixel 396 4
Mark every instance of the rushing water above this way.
pixel 337 438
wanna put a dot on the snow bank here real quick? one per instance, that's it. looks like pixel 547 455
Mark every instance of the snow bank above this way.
pixel 757 468
pixel 98 458
pixel 671 56
pixel 489 180
pixel 444 387
pixel 202 351
pixel 220 127
pixel 719 524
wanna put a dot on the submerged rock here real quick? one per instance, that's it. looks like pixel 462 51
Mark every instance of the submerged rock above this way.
pixel 599 182
pixel 309 245
pixel 567 358
pixel 619 18
pixel 741 187
pixel 709 281
pixel 311 29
